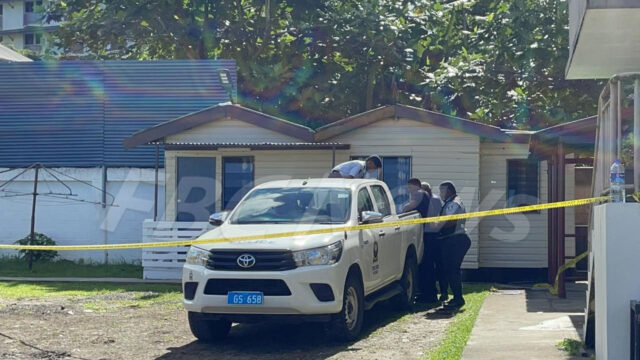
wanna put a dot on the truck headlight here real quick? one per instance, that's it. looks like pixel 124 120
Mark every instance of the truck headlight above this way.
pixel 326 255
pixel 197 256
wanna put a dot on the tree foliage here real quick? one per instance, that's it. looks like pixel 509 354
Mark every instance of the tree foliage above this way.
pixel 314 61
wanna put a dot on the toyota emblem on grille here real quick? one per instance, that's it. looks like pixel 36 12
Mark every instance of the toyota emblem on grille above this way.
pixel 246 261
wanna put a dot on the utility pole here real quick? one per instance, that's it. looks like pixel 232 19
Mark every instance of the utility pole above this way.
pixel 32 234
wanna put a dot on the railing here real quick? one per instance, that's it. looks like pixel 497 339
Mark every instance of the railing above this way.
pixel 166 263
pixel 618 131
pixel 33 18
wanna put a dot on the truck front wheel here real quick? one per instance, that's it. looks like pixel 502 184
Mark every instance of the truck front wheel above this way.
pixel 207 330
pixel 346 325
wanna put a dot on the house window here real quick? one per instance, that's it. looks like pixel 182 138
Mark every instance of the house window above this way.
pixel 28 6
pixel 32 39
pixel 522 182
pixel 1 9
pixel 396 171
pixel 196 188
pixel 237 179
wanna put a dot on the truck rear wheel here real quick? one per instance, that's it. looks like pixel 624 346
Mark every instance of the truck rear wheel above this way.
pixel 207 330
pixel 347 324
pixel 404 300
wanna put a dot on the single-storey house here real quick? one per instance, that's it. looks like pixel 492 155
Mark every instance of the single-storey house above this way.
pixel 228 149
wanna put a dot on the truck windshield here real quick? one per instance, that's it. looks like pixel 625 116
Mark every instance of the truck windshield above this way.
pixel 294 206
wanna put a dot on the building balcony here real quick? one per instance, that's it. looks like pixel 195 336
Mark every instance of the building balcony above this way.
pixel 603 38
pixel 33 19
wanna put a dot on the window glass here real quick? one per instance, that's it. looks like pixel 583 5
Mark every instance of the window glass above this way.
pixel 28 39
pixel 38 39
pixel 396 171
pixel 382 202
pixel 28 6
pixel 522 182
pixel 237 180
pixel 294 206
pixel 364 201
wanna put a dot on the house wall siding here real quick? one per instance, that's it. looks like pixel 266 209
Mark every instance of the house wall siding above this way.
pixel 517 240
pixel 437 154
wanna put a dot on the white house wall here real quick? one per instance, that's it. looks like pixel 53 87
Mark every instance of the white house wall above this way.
pixel 229 131
pixel 437 154
pixel 518 240
pixel 75 223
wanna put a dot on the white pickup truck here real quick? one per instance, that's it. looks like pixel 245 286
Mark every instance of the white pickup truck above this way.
pixel 331 277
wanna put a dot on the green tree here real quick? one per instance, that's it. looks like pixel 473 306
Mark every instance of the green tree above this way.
pixel 495 61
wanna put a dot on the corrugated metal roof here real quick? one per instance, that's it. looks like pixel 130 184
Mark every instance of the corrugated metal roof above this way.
pixel 76 113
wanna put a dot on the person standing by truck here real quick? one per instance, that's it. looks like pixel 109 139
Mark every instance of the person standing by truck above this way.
pixel 427 206
pixel 359 169
pixel 454 241
pixel 432 260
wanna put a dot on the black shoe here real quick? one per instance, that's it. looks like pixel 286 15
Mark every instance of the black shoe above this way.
pixel 443 298
pixel 454 304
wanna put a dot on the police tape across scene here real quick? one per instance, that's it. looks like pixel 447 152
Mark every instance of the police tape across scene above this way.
pixel 477 214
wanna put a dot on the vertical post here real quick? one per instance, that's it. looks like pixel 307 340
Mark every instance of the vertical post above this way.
pixel 333 157
pixel 104 186
pixel 619 122
pixel 32 233
pixel 636 135
pixel 155 190
pixel 553 249
pixel 612 149
pixel 550 253
pixel 561 218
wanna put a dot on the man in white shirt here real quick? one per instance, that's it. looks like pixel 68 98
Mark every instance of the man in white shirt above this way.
pixel 358 169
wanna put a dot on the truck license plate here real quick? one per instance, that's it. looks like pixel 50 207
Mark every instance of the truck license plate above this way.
pixel 244 298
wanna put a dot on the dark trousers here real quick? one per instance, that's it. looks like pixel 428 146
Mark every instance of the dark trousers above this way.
pixel 431 268
pixel 454 248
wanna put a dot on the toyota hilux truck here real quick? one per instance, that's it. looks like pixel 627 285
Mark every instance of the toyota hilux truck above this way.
pixel 331 277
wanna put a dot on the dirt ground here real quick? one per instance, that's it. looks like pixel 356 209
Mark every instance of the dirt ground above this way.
pixel 61 328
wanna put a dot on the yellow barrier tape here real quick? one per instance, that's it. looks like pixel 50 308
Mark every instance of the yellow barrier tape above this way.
pixel 477 214
pixel 554 289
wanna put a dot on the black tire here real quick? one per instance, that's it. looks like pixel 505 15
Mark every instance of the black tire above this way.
pixel 405 299
pixel 347 324
pixel 206 330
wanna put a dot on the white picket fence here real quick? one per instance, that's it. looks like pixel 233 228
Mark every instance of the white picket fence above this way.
pixel 165 263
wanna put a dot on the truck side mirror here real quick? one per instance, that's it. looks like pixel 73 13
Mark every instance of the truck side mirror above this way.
pixel 216 219
pixel 370 217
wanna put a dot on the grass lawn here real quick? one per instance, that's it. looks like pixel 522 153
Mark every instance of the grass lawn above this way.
pixel 13 266
pixel 458 332
pixel 17 290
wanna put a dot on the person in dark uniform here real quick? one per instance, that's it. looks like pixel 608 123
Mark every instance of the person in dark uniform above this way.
pixel 454 241
pixel 433 250
pixel 427 206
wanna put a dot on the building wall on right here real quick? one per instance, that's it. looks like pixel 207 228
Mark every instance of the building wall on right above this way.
pixel 517 240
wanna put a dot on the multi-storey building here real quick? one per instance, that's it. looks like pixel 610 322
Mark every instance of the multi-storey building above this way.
pixel 22 25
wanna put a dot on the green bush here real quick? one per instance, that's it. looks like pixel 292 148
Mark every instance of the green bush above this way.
pixel 37 255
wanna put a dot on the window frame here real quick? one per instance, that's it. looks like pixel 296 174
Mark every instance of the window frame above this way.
pixel 384 197
pixel 223 200
pixel 33 7
pixel 524 164
pixel 33 39
pixel 373 204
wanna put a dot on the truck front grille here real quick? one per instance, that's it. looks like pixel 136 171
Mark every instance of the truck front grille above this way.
pixel 264 260
pixel 269 287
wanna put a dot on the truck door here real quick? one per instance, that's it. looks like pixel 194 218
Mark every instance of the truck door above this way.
pixel 369 246
pixel 390 238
